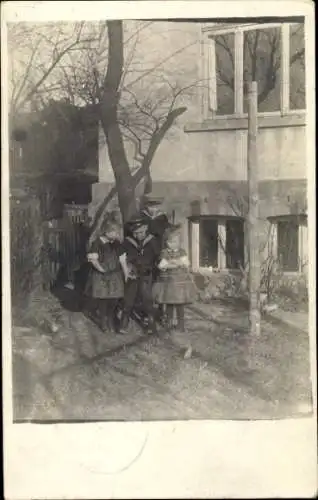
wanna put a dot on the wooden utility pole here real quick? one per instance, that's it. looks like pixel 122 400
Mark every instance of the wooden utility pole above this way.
pixel 253 215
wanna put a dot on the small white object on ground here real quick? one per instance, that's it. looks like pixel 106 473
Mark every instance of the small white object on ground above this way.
pixel 70 286
pixel 54 328
pixel 188 353
pixel 270 307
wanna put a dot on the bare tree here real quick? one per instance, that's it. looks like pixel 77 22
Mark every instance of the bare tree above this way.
pixel 102 65
pixel 136 101
pixel 36 54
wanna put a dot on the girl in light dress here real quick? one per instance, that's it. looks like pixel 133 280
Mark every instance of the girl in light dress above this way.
pixel 174 287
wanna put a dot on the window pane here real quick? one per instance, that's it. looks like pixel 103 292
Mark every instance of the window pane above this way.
pixel 208 243
pixel 234 244
pixel 287 241
pixel 262 55
pixel 224 61
pixel 297 67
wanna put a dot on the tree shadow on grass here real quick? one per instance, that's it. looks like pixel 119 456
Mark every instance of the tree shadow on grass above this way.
pixel 108 353
pixel 26 376
pixel 274 375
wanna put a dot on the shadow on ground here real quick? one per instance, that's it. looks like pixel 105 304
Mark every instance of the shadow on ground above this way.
pixel 81 373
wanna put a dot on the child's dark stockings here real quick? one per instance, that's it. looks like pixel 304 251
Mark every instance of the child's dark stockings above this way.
pixel 179 308
pixel 107 310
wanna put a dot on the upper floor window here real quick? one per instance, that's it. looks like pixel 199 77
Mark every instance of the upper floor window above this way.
pixel 271 54
pixel 297 94
pixel 224 55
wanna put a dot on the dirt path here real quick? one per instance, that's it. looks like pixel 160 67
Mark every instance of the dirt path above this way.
pixel 84 374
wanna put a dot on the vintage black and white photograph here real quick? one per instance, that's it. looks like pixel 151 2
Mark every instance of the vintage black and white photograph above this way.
pixel 159 257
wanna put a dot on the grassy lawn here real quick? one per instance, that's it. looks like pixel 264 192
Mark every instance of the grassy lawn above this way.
pixel 80 373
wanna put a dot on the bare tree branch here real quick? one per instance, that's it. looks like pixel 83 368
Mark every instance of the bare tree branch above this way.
pixel 155 142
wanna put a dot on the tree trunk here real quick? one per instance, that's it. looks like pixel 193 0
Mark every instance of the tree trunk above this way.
pixel 123 177
pixel 109 110
pixel 126 183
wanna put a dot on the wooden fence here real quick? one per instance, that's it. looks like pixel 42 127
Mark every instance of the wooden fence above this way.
pixel 25 246
pixel 64 242
pixel 41 250
pixel 76 213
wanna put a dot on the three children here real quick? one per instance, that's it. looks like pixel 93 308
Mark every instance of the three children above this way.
pixel 148 266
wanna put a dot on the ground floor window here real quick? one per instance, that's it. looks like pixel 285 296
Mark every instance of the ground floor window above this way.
pixel 291 242
pixel 217 242
pixel 234 248
pixel 288 245
pixel 208 243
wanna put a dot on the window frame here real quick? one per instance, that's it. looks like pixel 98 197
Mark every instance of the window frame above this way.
pixel 194 243
pixel 209 104
pixel 302 222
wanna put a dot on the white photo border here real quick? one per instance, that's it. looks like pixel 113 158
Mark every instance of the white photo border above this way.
pixel 202 459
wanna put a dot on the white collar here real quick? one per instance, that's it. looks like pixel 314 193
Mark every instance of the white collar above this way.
pixel 142 243
pixel 147 239
pixel 145 211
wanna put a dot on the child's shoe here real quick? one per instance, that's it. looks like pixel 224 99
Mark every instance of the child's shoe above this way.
pixel 104 324
pixel 152 327
pixel 123 328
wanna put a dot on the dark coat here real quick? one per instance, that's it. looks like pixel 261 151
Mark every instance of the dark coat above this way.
pixel 141 256
pixel 156 225
pixel 111 283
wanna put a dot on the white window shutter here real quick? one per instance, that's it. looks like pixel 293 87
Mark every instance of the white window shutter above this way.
pixel 195 227
pixel 222 244
pixel 239 71
pixel 285 68
pixel 212 76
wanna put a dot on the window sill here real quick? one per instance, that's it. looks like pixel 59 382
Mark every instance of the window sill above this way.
pixel 205 271
pixel 232 122
pixel 291 274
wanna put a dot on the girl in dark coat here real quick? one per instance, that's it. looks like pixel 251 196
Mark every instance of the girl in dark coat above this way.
pixel 105 283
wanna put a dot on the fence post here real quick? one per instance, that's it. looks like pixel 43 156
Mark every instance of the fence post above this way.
pixel 253 218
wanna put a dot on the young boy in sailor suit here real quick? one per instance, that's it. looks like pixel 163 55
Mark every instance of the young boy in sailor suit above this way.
pixel 157 220
pixel 158 223
pixel 138 257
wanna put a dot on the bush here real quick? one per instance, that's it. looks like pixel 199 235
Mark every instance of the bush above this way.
pixel 276 287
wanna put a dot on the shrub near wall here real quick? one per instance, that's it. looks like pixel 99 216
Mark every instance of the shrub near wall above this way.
pixel 287 291
pixel 291 291
pixel 220 285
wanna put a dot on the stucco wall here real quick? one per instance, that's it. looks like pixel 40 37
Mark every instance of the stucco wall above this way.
pixel 222 155
pixel 194 150
pixel 221 197
pixel 185 199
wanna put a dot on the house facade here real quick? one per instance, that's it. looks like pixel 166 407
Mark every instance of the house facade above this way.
pixel 200 167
